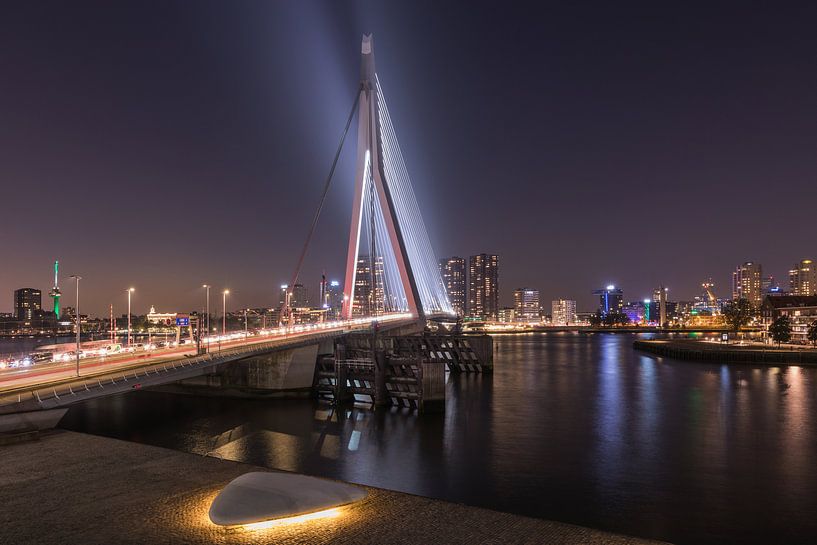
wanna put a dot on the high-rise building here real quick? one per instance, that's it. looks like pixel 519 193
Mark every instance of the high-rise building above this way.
pixel 611 299
pixel 334 299
pixel 282 295
pixel 659 295
pixel 452 270
pixel 483 287
pixel 27 303
pixel 563 312
pixel 803 278
pixel 363 296
pixel 526 305
pixel 747 283
pixel 299 297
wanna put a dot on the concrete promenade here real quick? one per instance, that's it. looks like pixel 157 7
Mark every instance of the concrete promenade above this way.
pixel 75 488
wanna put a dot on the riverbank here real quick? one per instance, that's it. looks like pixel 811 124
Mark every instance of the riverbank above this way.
pixel 76 488
pixel 695 350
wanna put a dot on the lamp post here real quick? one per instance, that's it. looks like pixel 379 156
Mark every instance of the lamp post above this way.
pixel 224 311
pixel 207 316
pixel 130 291
pixel 78 318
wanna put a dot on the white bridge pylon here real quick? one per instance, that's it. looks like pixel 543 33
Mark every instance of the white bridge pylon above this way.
pixel 403 272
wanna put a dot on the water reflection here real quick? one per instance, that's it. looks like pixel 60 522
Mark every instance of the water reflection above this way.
pixel 578 428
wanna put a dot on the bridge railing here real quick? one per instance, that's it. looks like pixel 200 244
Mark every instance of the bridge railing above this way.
pixel 118 381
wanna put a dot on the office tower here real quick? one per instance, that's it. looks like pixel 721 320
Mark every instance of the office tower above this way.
pixel 803 278
pixel 363 296
pixel 747 283
pixel 299 297
pixel 282 296
pixel 27 303
pixel 452 270
pixel 334 299
pixel 563 312
pixel 611 299
pixel 526 305
pixel 659 295
pixel 483 287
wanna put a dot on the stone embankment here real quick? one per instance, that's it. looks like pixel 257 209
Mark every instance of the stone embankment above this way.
pixel 75 488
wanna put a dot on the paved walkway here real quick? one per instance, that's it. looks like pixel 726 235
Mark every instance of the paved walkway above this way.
pixel 75 488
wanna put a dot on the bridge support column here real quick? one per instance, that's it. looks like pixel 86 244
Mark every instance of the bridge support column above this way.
pixel 35 420
pixel 381 394
pixel 287 372
pixel 342 393
pixel 433 387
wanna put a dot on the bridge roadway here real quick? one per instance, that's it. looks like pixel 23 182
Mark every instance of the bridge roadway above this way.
pixel 55 386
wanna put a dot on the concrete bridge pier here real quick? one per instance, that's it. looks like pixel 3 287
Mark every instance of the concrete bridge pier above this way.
pixel 287 372
pixel 381 394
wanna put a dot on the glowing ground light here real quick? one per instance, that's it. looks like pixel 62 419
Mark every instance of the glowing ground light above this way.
pixel 331 513
pixel 260 500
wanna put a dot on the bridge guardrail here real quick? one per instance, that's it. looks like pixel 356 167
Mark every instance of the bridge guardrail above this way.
pixel 79 390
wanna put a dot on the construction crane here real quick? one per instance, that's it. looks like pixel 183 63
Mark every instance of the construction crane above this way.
pixel 708 287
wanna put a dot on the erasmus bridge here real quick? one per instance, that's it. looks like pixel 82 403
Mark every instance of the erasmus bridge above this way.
pixel 373 350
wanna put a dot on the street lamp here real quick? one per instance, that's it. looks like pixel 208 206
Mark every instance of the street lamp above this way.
pixel 224 311
pixel 79 319
pixel 130 291
pixel 207 316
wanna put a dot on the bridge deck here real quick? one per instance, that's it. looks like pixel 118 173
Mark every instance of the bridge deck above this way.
pixel 105 381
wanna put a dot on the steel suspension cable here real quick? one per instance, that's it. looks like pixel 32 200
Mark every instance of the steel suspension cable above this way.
pixel 297 272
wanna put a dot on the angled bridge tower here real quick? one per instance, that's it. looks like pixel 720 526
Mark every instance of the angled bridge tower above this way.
pixel 403 274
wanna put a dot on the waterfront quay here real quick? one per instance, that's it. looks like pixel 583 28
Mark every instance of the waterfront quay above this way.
pixel 70 487
pixel 704 351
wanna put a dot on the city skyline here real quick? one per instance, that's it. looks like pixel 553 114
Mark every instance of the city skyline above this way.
pixel 411 272
pixel 792 282
pixel 630 125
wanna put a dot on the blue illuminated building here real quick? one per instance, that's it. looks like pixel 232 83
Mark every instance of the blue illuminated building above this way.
pixel 611 299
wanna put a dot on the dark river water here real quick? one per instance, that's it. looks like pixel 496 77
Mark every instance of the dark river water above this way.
pixel 575 428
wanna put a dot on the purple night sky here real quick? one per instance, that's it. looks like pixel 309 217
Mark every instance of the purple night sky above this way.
pixel 163 145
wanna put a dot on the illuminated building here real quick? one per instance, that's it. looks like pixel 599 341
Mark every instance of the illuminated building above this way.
pixel 506 315
pixel 611 299
pixel 526 305
pixel 747 283
pixel 27 303
pixel 636 311
pixel 803 278
pixel 161 318
pixel 563 312
pixel 801 310
pixel 363 304
pixel 299 297
pixel 659 295
pixel 452 270
pixel 483 287
pixel 334 299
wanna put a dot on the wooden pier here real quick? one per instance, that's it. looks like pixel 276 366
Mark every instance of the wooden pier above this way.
pixel 399 371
